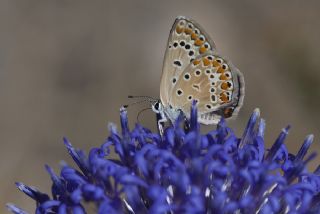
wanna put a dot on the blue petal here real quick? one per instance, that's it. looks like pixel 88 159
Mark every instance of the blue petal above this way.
pixel 14 209
pixel 248 133
pixel 78 157
pixel 276 146
pixel 32 192
pixel 304 148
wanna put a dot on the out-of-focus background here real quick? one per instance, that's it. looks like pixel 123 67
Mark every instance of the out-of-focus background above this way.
pixel 67 66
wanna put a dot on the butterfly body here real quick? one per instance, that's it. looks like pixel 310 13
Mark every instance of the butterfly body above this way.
pixel 194 70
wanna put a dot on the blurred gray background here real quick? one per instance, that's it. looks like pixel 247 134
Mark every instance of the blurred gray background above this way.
pixel 67 66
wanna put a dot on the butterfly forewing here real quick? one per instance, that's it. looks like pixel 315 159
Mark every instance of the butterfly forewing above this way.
pixel 187 40
pixel 213 82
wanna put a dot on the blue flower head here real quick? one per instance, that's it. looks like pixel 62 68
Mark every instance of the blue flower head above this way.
pixel 183 171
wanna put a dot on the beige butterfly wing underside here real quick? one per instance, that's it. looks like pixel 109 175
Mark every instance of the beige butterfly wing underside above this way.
pixel 193 70
pixel 187 40
pixel 216 85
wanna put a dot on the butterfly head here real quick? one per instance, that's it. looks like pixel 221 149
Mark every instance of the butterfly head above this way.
pixel 157 107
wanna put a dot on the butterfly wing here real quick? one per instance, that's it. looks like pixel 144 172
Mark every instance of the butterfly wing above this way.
pixel 214 82
pixel 187 40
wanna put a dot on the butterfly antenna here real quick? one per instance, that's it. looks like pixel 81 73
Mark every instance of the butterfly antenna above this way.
pixel 141 112
pixel 134 103
pixel 144 97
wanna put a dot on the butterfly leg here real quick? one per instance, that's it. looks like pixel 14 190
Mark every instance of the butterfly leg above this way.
pixel 186 125
pixel 161 119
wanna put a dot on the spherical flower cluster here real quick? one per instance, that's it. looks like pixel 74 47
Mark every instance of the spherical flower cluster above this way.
pixel 183 171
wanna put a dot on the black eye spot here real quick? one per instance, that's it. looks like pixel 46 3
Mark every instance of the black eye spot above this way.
pixel 228 93
pixel 211 76
pixel 170 46
pixel 206 45
pixel 208 106
pixel 201 38
pixel 196 87
pixel 189 25
pixel 224 66
pixel 196 31
pixel 187 76
pixel 191 53
pixel 187 46
pixel 212 90
pixel 189 97
pixel 177 62
pixel 198 72
pixel 191 59
pixel 182 43
pixel 175 44
pixel 212 83
pixel 210 58
pixel 219 60
pixel 227 75
pixel 207 71
pixel 179 92
pixel 174 80
pixel 213 98
pixel 229 84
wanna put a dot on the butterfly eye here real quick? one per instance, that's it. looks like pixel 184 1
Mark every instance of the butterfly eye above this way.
pixel 191 53
pixel 201 38
pixel 156 106
pixel 190 97
pixel 182 43
pixel 187 46
pixel 211 76
pixel 212 90
pixel 207 46
pixel 175 44
pixel 208 71
pixel 196 31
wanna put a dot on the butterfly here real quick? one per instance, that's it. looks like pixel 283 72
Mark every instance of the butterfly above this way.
pixel 194 70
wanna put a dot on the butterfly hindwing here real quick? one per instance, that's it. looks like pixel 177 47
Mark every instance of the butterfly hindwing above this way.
pixel 187 40
pixel 214 83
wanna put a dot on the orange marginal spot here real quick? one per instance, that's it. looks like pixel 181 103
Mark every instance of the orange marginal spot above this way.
pixel 224 86
pixel 196 62
pixel 220 69
pixel 215 63
pixel 206 62
pixel 194 36
pixel 227 112
pixel 224 97
pixel 198 42
pixel 223 77
pixel 202 49
pixel 188 31
pixel 179 29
